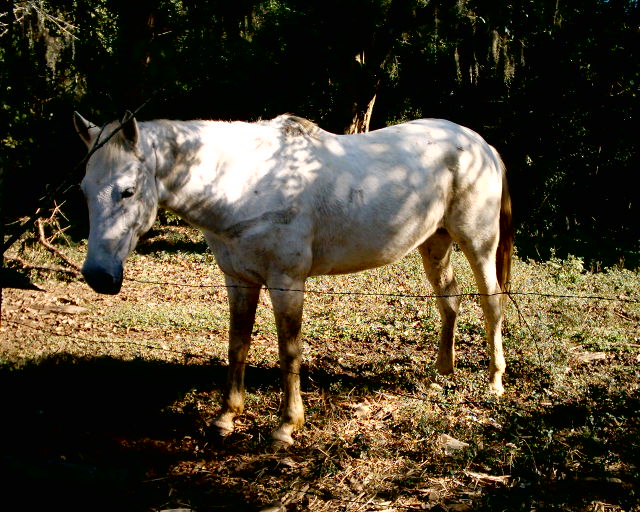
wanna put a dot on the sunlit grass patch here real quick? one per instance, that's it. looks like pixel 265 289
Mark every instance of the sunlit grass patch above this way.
pixel 384 431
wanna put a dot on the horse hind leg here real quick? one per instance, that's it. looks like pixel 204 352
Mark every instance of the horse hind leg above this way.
pixel 482 258
pixel 436 259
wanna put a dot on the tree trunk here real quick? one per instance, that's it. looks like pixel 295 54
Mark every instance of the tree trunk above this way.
pixel 136 23
pixel 368 76
pixel 362 118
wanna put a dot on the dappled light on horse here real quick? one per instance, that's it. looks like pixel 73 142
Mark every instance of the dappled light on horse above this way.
pixel 281 200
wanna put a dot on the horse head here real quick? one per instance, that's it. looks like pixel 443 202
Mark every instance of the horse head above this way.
pixel 122 198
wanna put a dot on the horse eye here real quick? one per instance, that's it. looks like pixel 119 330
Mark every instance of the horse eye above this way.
pixel 128 192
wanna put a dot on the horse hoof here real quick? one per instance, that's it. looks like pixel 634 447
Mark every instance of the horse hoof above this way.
pixel 496 389
pixel 279 445
pixel 282 442
pixel 223 427
pixel 282 438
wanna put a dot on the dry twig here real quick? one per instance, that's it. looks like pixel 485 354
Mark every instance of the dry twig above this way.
pixel 43 240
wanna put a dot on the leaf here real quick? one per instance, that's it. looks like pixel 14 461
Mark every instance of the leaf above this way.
pixel 450 444
pixel 486 478
pixel 590 357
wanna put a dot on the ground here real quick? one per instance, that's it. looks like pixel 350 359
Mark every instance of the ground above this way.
pixel 107 400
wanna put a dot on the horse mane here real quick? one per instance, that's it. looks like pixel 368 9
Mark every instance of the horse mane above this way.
pixel 297 126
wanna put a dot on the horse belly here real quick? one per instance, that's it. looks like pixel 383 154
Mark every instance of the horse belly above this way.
pixel 348 263
pixel 367 229
pixel 368 247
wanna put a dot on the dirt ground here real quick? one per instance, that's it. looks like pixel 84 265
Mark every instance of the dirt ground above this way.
pixel 107 400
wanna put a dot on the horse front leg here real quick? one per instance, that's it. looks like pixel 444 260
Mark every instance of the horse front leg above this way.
pixel 243 301
pixel 287 300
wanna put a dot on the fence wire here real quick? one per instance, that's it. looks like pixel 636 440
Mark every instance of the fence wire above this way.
pixel 511 293
pixel 191 355
pixel 434 401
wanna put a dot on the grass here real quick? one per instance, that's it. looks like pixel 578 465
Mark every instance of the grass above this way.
pixel 109 405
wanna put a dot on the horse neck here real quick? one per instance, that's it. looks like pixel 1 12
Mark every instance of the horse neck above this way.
pixel 181 156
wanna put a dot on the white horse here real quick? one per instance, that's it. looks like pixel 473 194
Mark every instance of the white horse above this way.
pixel 281 200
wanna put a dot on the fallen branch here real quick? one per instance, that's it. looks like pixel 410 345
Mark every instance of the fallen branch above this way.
pixel 49 268
pixel 53 249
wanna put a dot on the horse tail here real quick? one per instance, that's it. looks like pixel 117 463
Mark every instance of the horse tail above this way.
pixel 505 244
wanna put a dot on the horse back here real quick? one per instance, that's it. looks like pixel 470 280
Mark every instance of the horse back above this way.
pixel 379 195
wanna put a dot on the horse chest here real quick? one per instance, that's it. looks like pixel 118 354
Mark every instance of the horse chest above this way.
pixel 255 249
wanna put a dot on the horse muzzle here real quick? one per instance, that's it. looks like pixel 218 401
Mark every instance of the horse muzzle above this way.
pixel 103 281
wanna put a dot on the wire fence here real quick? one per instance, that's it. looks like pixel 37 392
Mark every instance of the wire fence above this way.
pixel 510 293
pixel 188 355
pixel 294 492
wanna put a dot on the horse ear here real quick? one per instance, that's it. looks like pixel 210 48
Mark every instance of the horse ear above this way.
pixel 130 128
pixel 88 131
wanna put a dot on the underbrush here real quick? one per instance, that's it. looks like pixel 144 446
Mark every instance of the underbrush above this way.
pixel 109 398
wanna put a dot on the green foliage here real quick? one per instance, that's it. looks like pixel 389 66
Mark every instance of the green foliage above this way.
pixel 549 84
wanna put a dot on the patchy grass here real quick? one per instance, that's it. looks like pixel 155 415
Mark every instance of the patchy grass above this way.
pixel 107 400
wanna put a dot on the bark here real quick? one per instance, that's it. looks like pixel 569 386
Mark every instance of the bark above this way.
pixel 362 118
pixel 136 26
pixel 368 76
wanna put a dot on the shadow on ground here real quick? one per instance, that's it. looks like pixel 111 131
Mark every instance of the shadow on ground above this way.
pixel 98 434
pixel 171 241
pixel 578 455
pixel 104 434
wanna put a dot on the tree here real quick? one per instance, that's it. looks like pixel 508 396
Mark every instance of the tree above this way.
pixel 548 83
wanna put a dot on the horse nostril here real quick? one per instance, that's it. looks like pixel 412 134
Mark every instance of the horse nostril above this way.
pixel 102 281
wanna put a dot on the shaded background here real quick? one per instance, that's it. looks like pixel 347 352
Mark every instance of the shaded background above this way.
pixel 552 84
